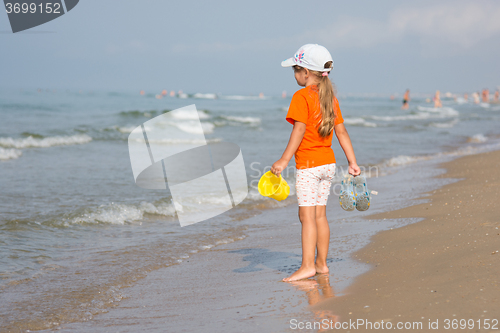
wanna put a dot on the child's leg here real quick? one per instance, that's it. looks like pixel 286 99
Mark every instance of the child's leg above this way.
pixel 323 239
pixel 321 221
pixel 307 215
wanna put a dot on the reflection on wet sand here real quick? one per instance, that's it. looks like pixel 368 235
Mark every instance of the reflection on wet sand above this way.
pixel 317 289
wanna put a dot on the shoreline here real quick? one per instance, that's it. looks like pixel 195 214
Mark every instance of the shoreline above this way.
pixel 439 269
pixel 205 290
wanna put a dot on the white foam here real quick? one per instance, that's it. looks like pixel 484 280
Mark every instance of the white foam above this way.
pixel 478 138
pixel 426 113
pixel 244 98
pixel 443 111
pixel 484 105
pixel 121 213
pixel 205 96
pixel 190 127
pixel 188 115
pixel 180 141
pixel 405 117
pixel 249 120
pixel 359 122
pixel 400 160
pixel 31 142
pixel 9 154
pixel 113 213
pixel 125 129
pixel 448 124
pixel 462 151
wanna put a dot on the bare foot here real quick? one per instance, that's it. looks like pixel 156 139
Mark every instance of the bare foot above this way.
pixel 322 269
pixel 301 273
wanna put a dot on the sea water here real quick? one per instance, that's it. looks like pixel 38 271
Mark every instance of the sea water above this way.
pixel 75 229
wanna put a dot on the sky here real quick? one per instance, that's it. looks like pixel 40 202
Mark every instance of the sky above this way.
pixel 236 47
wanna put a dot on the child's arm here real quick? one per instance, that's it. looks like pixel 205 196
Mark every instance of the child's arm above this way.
pixel 345 143
pixel 299 129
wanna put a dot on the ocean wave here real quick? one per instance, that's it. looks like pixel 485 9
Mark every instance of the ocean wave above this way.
pixel 448 124
pixel 443 111
pixel 244 98
pixel 188 115
pixel 8 154
pixel 425 113
pixel 478 138
pixel 193 128
pixel 205 96
pixel 31 142
pixel 248 120
pixel 358 122
pixel 121 129
pixel 403 160
pixel 181 141
pixel 417 116
pixel 137 113
pixel 120 213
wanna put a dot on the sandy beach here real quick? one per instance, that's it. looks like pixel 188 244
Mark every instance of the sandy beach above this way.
pixel 441 272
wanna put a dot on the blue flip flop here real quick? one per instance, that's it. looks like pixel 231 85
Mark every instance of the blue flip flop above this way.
pixel 363 195
pixel 347 199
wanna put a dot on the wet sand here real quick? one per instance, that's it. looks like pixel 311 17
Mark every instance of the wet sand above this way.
pixel 441 270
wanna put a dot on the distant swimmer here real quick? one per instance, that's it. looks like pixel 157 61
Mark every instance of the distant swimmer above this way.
pixel 466 97
pixel 261 95
pixel 475 97
pixel 142 92
pixel 172 93
pixel 283 94
pixel 437 100
pixel 406 99
pixel 486 96
pixel 392 97
pixel 164 92
pixel 496 99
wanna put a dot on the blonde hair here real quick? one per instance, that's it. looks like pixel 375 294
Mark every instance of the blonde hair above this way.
pixel 326 93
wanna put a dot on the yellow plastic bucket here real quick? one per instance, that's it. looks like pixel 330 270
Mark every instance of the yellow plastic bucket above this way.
pixel 273 187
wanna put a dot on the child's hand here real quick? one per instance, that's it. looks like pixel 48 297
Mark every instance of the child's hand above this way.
pixel 279 166
pixel 354 169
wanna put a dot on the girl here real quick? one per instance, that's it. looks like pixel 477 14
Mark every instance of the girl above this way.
pixel 315 114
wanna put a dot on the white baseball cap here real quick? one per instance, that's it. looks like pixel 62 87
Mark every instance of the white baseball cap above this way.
pixel 310 56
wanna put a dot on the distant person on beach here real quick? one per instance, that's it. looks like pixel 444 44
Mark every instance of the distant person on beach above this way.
pixel 406 99
pixel 496 98
pixel 466 97
pixel 475 97
pixel 486 95
pixel 437 100
pixel 315 115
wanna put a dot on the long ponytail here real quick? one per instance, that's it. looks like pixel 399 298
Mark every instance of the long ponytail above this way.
pixel 326 95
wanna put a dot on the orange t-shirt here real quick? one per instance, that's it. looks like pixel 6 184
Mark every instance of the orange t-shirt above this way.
pixel 314 150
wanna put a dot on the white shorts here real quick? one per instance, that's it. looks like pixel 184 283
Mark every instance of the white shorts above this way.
pixel 313 185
